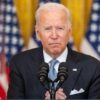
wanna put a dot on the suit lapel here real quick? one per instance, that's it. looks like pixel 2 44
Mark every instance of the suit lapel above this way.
pixel 37 58
pixel 73 72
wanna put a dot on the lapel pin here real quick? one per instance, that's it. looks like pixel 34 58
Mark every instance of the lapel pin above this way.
pixel 74 69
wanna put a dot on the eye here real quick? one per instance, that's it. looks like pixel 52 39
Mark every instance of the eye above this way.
pixel 60 28
pixel 47 28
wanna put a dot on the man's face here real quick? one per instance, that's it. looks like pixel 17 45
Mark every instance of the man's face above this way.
pixel 53 32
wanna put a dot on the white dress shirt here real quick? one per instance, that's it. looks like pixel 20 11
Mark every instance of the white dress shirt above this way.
pixel 61 58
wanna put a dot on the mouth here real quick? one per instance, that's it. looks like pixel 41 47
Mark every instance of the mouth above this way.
pixel 54 44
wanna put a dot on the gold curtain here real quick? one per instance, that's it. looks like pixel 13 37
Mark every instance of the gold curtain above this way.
pixel 26 10
pixel 80 11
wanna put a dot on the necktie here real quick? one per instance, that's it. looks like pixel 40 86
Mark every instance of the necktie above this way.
pixel 52 72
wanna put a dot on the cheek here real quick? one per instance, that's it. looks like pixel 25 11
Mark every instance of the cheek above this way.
pixel 65 39
pixel 44 40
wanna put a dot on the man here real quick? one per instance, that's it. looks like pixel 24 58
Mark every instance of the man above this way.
pixel 53 26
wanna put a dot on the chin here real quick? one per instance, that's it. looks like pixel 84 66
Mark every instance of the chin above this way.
pixel 56 52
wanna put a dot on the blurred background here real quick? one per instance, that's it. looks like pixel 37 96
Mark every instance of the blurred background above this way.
pixel 17 30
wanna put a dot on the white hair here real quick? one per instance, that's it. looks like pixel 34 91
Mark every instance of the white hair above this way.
pixel 49 6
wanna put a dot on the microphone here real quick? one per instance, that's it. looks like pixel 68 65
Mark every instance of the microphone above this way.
pixel 43 75
pixel 43 72
pixel 62 74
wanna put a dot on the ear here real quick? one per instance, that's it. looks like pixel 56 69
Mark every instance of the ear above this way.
pixel 69 30
pixel 37 32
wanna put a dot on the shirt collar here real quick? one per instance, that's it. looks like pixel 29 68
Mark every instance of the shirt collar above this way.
pixel 61 58
pixel 47 58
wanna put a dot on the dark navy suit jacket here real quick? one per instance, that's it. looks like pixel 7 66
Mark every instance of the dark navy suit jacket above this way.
pixel 83 80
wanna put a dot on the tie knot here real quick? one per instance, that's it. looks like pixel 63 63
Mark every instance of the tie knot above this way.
pixel 53 62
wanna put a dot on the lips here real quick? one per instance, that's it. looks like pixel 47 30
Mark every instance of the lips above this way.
pixel 54 44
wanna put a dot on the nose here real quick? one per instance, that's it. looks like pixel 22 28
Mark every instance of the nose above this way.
pixel 54 34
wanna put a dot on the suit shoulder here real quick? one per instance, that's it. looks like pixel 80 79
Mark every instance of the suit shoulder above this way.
pixel 26 54
pixel 85 58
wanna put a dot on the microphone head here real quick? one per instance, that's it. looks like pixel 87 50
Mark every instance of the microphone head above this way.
pixel 43 72
pixel 62 72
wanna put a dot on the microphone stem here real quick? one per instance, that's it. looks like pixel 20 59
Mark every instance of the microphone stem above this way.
pixel 52 93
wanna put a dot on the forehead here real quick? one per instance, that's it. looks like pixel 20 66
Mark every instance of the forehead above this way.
pixel 53 10
pixel 53 14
